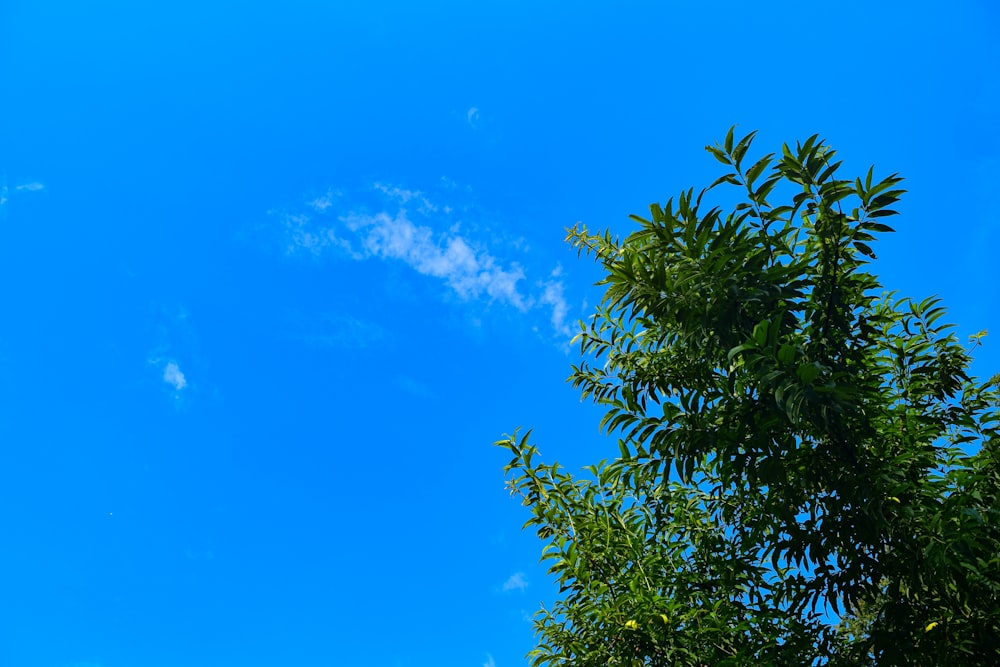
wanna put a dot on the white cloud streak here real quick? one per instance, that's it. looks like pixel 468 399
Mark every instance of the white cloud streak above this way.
pixel 469 272
pixel 515 582
pixel 5 192
pixel 553 295
pixel 423 235
pixel 489 661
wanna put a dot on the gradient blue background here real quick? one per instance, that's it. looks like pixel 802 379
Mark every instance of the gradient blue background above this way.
pixel 239 427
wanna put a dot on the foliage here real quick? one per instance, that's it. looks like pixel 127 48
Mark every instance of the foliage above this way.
pixel 808 473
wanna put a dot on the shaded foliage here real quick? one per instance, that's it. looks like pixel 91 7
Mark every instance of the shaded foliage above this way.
pixel 808 474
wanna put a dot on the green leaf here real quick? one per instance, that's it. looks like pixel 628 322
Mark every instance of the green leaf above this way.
pixel 831 168
pixel 623 448
pixel 760 333
pixel 741 148
pixel 758 168
pixel 808 372
pixel 726 178
pixel 719 155
pixel 877 227
pixel 864 249
pixel 786 353
pixel 729 140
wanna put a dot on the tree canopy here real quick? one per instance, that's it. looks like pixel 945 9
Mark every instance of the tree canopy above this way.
pixel 808 473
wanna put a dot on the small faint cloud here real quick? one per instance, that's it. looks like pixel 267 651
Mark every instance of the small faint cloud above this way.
pixel 472 116
pixel 30 187
pixel 324 201
pixel 175 339
pixel 489 661
pixel 304 236
pixel 516 582
pixel 404 196
pixel 173 376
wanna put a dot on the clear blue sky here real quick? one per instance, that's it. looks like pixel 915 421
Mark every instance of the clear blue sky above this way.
pixel 274 276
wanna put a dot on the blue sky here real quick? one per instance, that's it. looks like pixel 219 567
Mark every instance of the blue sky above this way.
pixel 276 275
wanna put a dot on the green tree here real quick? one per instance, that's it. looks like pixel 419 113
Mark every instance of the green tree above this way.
pixel 808 474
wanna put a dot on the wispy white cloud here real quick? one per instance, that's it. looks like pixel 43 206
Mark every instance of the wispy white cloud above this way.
pixel 409 227
pixel 303 235
pixel 489 661
pixel 324 201
pixel 173 376
pixel 516 582
pixel 5 192
pixel 472 116
pixel 469 271
pixel 553 295
pixel 404 197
